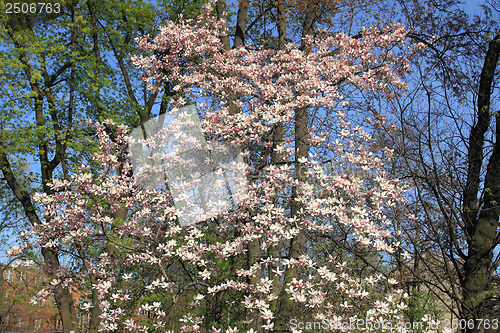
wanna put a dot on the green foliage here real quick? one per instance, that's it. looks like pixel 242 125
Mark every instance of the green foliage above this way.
pixel 187 8
pixel 58 70
pixel 421 304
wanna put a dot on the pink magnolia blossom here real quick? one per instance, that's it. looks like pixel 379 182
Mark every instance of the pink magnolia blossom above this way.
pixel 81 216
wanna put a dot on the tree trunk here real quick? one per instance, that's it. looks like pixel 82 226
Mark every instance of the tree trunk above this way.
pixel 62 295
pixel 277 134
pixel 220 8
pixel 302 146
pixel 481 218
pixel 241 23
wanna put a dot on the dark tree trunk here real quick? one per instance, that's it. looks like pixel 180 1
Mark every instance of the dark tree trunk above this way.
pixel 62 295
pixel 220 8
pixel 241 23
pixel 302 146
pixel 481 216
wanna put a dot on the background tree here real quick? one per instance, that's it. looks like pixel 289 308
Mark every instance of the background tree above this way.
pixel 58 69
pixel 447 146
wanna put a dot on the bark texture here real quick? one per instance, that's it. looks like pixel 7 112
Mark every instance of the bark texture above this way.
pixel 481 216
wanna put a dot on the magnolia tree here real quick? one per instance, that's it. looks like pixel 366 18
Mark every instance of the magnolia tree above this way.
pixel 152 268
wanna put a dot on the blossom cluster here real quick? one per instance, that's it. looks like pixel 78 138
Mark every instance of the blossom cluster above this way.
pixel 144 267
